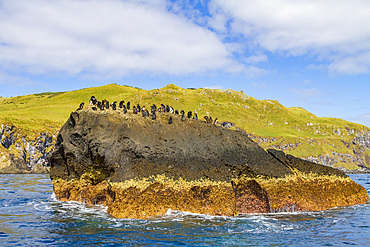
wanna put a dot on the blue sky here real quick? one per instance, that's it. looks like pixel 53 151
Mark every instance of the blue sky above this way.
pixel 308 53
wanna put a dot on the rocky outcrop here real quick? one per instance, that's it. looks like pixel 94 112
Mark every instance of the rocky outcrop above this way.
pixel 296 164
pixel 130 146
pixel 203 168
pixel 19 154
pixel 354 159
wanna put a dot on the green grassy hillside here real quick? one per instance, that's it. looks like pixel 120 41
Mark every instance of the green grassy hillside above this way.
pixel 293 130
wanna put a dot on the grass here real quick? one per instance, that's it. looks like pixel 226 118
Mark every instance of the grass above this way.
pixel 47 112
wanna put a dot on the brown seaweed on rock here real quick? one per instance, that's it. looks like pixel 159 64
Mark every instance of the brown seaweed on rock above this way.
pixel 140 168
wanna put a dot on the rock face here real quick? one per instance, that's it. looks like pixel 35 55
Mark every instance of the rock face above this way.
pixel 124 147
pixel 129 146
pixel 18 154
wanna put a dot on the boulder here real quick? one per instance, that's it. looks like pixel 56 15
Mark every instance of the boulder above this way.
pixel 140 168
pixel 128 146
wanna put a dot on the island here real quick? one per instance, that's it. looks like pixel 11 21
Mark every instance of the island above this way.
pixel 140 167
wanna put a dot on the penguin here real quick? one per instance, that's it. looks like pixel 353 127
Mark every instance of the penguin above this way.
pixel 183 116
pixel 134 109
pixel 102 107
pixel 167 108
pixel 143 113
pixel 147 113
pixel 128 105
pixel 153 116
pixel 107 104
pixel 153 108
pixel 98 104
pixel 81 106
pixel 171 109
pixel 163 108
pixel 195 116
pixel 214 122
pixel 93 100
pixel 114 105
pixel 121 104
pixel 206 118
pixel 170 120
pixel 94 108
pixel 103 103
pixel 138 108
pixel 210 120
pixel 177 112
pixel 182 112
pixel 190 114
pixel 124 110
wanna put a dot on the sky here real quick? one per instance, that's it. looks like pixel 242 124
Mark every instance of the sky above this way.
pixel 304 53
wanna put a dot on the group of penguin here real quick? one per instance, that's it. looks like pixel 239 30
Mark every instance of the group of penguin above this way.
pixel 104 104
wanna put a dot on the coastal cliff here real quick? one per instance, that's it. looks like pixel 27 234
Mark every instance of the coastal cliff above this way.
pixel 30 124
pixel 19 154
pixel 140 167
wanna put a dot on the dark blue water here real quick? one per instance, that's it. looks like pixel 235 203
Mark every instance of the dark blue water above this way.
pixel 31 216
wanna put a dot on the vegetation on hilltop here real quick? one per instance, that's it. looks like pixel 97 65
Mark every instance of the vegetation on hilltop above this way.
pixel 293 130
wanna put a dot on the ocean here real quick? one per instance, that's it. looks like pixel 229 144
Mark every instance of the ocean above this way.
pixel 30 215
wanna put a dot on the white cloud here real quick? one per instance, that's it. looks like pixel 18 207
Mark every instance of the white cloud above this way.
pixel 259 85
pixel 306 93
pixel 106 39
pixel 337 31
pixel 19 81
pixel 258 58
pixel 363 119
pixel 214 87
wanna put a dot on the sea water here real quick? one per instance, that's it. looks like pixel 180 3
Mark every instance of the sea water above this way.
pixel 30 215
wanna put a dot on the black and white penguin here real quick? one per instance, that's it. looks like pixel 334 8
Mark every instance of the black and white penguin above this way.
pixel 138 108
pixel 163 108
pixel 182 112
pixel 128 105
pixel 124 110
pixel 190 114
pixel 134 109
pixel 206 118
pixel 81 106
pixel 93 100
pixel 107 104
pixel 195 116
pixel 121 104
pixel 214 122
pixel 143 113
pixel 153 108
pixel 114 105
pixel 103 103
pixel 210 120
pixel 177 112
pixel 98 104
pixel 94 108
pixel 167 108
pixel 183 116
pixel 147 113
pixel 170 120
pixel 153 116
pixel 171 109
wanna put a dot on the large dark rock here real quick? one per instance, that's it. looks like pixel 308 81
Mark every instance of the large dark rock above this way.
pixel 303 165
pixel 126 146
pixel 221 168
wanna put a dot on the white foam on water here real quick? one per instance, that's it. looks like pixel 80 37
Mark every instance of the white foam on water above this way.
pixel 177 215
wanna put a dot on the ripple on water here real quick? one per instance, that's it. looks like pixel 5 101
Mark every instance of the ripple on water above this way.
pixel 33 216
